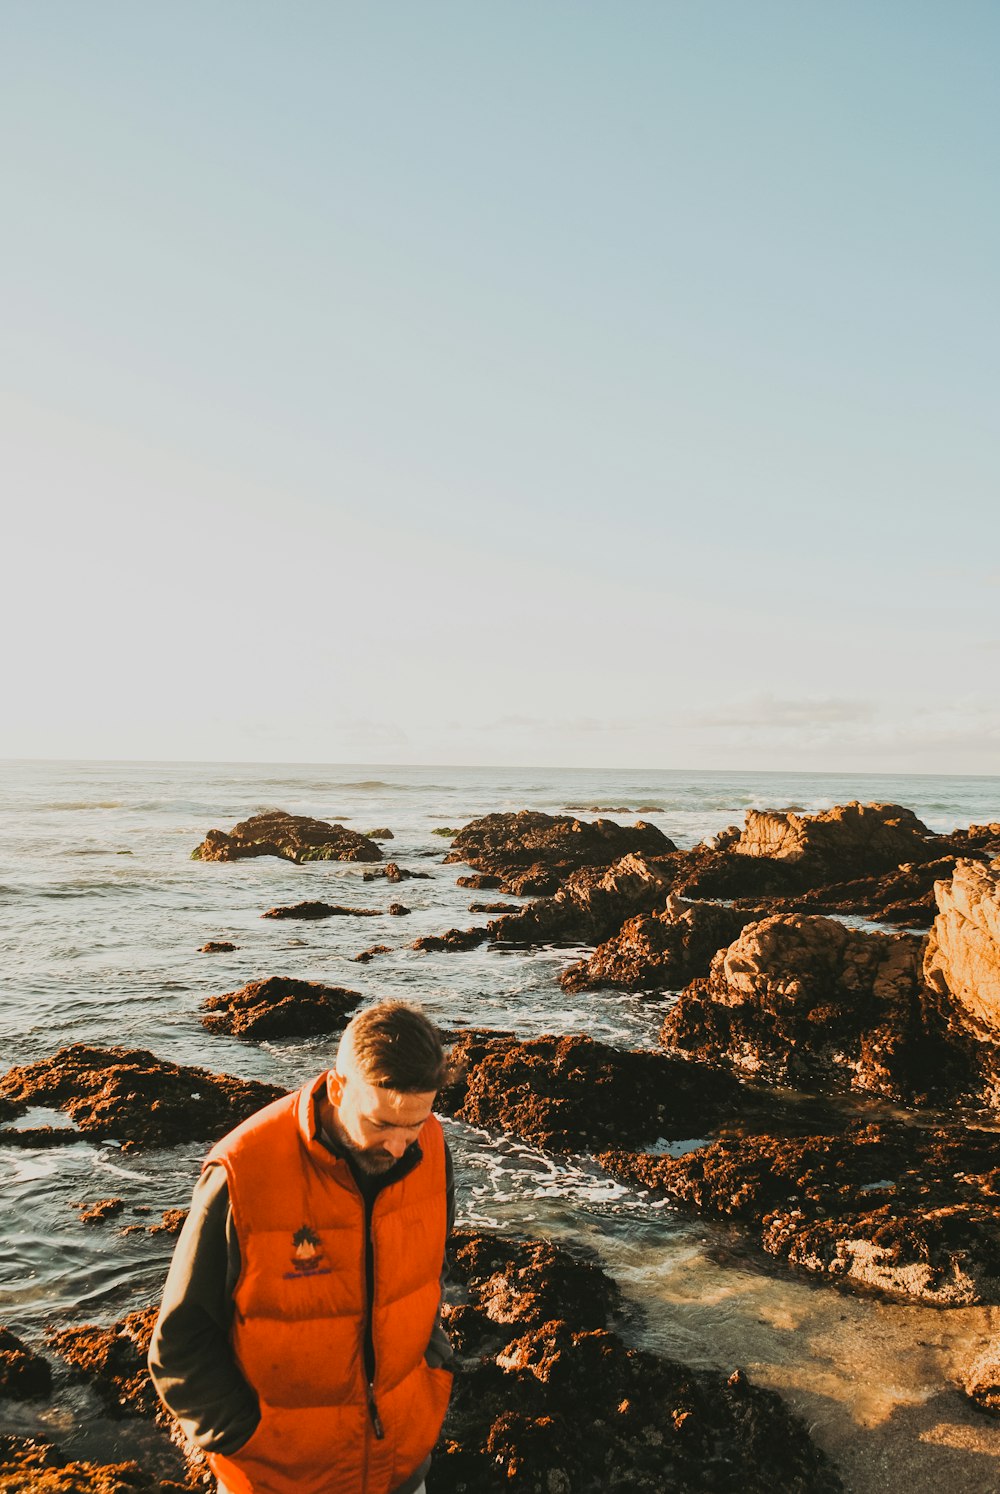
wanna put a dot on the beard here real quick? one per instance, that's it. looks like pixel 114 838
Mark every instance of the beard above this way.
pixel 373 1162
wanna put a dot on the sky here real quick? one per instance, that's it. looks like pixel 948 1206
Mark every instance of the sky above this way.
pixel 556 383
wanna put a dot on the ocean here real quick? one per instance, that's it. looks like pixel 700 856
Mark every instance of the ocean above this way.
pixel 103 912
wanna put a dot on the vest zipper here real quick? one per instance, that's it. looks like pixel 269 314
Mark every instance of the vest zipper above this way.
pixel 373 1413
pixel 376 1420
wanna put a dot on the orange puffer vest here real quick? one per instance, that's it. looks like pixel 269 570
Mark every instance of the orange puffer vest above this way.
pixel 301 1309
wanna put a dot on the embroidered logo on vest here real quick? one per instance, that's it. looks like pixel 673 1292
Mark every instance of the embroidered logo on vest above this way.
pixel 308 1258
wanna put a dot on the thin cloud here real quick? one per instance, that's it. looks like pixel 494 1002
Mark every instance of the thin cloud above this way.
pixel 769 711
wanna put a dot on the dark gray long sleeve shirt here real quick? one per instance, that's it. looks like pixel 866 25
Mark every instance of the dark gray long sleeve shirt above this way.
pixel 191 1359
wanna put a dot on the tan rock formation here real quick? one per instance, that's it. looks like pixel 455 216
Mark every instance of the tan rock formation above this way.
pixel 805 1000
pixel 871 836
pixel 963 950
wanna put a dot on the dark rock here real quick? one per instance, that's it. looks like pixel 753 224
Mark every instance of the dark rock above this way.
pixel 550 1401
pixel 217 946
pixel 494 908
pixel 399 910
pixel 321 910
pixel 533 852
pixel 451 939
pixel 127 1094
pixel 571 1094
pixel 383 834
pixel 369 954
pixel 665 949
pixel 591 905
pixel 31 1467
pixel 912 1212
pixel 393 873
pixel 479 881
pixel 280 1007
pixel 803 1000
pixel 103 1208
pixel 24 1375
pixel 293 837
pixel 904 896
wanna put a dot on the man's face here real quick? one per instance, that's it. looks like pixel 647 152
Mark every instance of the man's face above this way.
pixel 376 1125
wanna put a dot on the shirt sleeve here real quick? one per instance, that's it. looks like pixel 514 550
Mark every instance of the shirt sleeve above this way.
pixel 439 1353
pixel 191 1361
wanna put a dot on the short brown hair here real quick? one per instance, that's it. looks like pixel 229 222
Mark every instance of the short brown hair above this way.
pixel 397 1048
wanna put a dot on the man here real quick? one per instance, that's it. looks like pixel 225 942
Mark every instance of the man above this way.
pixel 299 1342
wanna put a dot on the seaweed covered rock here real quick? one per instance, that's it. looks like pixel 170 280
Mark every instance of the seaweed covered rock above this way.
pixel 574 1094
pixel 280 1006
pixel 127 1095
pixel 24 1375
pixel 532 852
pixel 803 1000
pixel 113 1361
pixel 665 949
pixel 293 837
pixel 963 951
pixel 592 903
pixel 551 1401
pixel 31 1467
pixel 912 1212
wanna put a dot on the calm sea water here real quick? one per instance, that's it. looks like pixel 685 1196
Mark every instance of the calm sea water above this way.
pixel 102 912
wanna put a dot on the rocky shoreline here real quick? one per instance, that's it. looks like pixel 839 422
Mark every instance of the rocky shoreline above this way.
pixel 827 1081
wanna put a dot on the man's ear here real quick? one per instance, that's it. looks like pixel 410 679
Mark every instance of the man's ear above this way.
pixel 334 1086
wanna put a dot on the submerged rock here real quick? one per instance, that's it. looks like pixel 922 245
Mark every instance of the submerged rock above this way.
pixel 572 1094
pixel 531 852
pixel 451 939
pixel 294 837
pixel 803 1000
pixel 384 834
pixel 280 1006
pixel 665 949
pixel 99 1210
pixel 128 1095
pixel 217 946
pixel 371 952
pixel 394 873
pixel 551 1401
pixel 24 1375
pixel 321 910
pixel 912 1212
